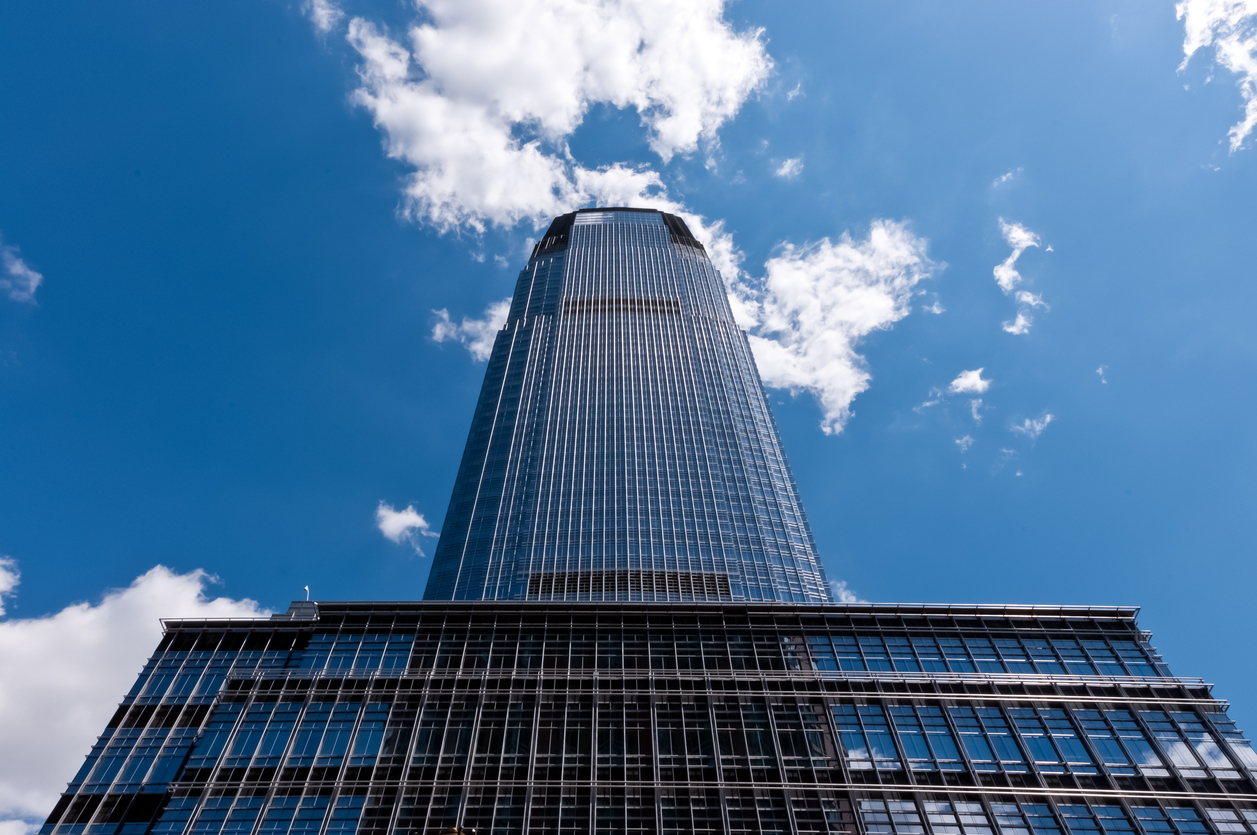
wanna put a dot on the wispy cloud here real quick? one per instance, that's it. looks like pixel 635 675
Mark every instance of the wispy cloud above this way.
pixel 65 673
pixel 964 443
pixel 795 93
pixel 1006 275
pixel 1101 371
pixel 1019 238
pixel 969 382
pixel 324 14
pixel 789 169
pixel 818 301
pixel 1230 27
pixel 406 525
pixel 17 280
pixel 1004 178
pixel 935 308
pixel 842 593
pixel 1032 429
pixel 975 409
pixel 477 335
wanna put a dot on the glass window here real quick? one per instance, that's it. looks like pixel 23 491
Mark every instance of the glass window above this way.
pixel 822 653
pixel 929 655
pixel 865 737
pixel 874 652
pixel 984 656
pixel 848 652
pixel 1206 747
pixel 1104 741
pixel 957 657
pixel 1167 736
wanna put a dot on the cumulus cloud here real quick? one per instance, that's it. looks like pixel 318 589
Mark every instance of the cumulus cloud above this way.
pixel 17 280
pixel 818 301
pixel 65 673
pixel 790 169
pixel 1019 238
pixel 1230 27
pixel 1019 325
pixel 9 577
pixel 481 95
pixel 969 382
pixel 477 335
pixel 324 14
pixel 406 525
pixel 1032 429
pixel 843 593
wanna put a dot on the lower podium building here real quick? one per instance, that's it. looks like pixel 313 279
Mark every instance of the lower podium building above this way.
pixel 409 718
pixel 627 629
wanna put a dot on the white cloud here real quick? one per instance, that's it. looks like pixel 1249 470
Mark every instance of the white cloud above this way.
pixel 9 578
pixel 975 409
pixel 1025 297
pixel 406 525
pixel 935 308
pixel 1032 429
pixel 481 97
pixel 62 676
pixel 17 279
pixel 324 14
pixel 1004 178
pixel 1019 325
pixel 796 92
pixel 790 169
pixel 964 443
pixel 818 301
pixel 1101 371
pixel 1230 27
pixel 969 382
pixel 842 593
pixel 477 335
pixel 1019 238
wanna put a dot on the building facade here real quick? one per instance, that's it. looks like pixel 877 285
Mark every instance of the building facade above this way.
pixel 622 447
pixel 517 717
pixel 627 630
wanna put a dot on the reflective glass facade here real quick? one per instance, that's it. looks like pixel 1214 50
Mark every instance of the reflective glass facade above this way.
pixel 622 447
pixel 400 719
pixel 627 630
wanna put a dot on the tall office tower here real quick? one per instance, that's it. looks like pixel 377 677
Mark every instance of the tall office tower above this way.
pixel 622 447
pixel 627 630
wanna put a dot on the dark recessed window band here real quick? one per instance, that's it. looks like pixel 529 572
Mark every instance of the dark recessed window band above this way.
pixel 710 584
pixel 621 306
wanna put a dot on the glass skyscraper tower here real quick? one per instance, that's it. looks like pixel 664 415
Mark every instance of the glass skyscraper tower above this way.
pixel 622 447
pixel 627 630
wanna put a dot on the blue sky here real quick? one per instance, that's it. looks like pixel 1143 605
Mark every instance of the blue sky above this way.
pixel 227 231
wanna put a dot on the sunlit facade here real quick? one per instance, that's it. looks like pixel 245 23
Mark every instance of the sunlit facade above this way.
pixel 622 447
pixel 627 630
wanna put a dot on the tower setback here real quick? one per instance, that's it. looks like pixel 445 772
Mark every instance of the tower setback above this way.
pixel 627 629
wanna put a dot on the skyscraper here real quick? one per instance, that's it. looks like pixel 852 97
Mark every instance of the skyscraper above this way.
pixel 627 630
pixel 622 447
